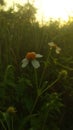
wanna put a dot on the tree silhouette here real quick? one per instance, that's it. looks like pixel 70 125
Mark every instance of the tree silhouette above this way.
pixel 27 12
pixel 2 2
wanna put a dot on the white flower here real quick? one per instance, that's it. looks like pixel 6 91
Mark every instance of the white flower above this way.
pixel 53 45
pixel 31 57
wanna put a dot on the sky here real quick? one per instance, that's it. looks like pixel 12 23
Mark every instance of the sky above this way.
pixel 50 8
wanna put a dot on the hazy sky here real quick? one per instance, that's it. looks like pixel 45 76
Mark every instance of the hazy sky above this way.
pixel 51 8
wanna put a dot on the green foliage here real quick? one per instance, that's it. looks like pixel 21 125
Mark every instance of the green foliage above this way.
pixel 43 98
pixel 1 2
pixel 38 103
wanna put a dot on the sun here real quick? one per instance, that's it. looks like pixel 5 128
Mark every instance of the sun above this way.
pixel 51 8
pixel 55 9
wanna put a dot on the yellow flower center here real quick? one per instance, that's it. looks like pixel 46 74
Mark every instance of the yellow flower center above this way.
pixel 31 55
pixel 11 110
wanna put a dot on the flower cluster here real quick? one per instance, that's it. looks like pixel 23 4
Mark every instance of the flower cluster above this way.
pixel 31 57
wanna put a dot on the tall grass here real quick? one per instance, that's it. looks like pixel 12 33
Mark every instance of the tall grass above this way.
pixel 20 34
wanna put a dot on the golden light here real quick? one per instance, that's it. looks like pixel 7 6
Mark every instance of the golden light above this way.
pixel 51 8
pixel 55 8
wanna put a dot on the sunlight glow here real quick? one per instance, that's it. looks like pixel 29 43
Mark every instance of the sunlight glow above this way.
pixel 51 8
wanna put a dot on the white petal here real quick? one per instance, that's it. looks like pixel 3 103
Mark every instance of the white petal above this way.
pixel 38 56
pixel 51 44
pixel 24 63
pixel 35 64
pixel 24 60
pixel 58 49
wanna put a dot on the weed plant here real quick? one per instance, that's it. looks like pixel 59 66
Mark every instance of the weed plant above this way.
pixel 36 90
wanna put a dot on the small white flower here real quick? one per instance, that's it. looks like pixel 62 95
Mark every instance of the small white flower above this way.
pixel 53 45
pixel 58 49
pixel 31 56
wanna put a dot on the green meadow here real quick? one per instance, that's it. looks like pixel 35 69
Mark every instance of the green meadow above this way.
pixel 36 72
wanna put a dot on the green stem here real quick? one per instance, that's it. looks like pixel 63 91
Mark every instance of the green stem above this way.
pixel 66 67
pixel 43 126
pixel 26 119
pixel 36 100
pixel 12 122
pixel 36 79
pixel 44 70
pixel 43 73
pixel 50 85
pixel 2 124
pixel 7 124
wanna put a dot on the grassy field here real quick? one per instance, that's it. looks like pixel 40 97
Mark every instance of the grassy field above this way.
pixel 36 72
